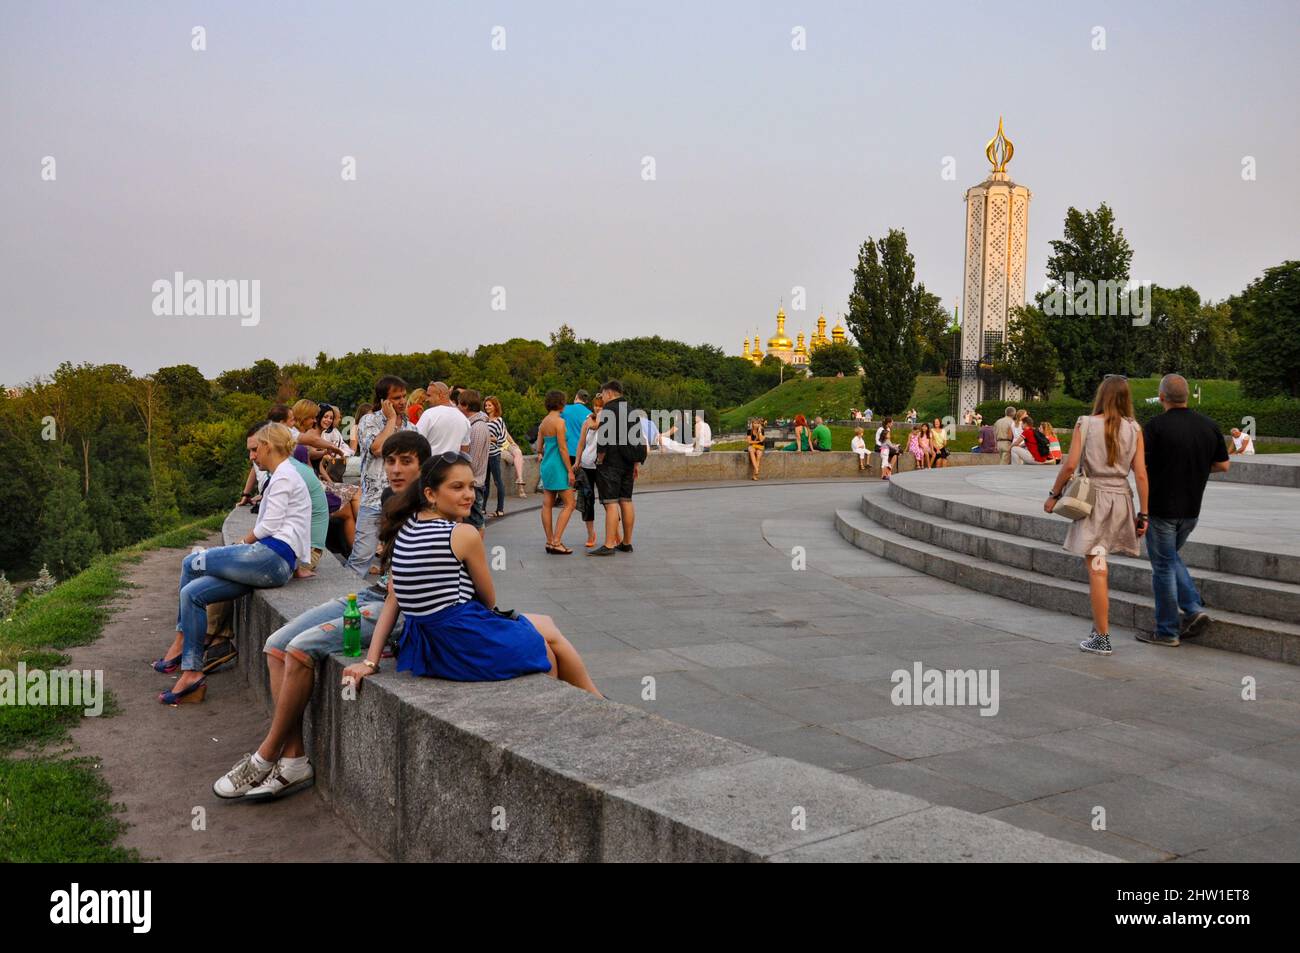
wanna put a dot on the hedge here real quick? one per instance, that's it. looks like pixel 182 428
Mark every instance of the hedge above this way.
pixel 1275 417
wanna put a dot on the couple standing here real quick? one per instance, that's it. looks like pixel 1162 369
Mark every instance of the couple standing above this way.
pixel 1170 459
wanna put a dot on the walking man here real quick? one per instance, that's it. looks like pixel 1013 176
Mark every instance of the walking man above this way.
pixel 1183 448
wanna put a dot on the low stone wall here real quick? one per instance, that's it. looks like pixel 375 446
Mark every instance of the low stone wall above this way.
pixel 776 465
pixel 1268 469
pixel 535 770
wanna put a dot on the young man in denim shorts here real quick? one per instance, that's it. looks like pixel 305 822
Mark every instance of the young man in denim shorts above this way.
pixel 279 766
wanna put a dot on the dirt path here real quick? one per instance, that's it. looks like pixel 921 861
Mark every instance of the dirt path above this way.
pixel 161 761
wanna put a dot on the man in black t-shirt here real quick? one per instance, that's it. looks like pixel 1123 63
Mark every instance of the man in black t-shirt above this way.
pixel 1183 448
pixel 620 451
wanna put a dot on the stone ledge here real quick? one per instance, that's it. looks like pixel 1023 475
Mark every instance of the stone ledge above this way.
pixel 421 767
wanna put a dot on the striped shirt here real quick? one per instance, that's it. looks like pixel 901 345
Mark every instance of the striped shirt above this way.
pixel 426 574
pixel 497 436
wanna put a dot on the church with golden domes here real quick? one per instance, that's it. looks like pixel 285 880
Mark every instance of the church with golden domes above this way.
pixel 795 353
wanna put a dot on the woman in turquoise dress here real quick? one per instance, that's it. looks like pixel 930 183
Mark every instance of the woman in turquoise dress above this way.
pixel 556 474
pixel 802 436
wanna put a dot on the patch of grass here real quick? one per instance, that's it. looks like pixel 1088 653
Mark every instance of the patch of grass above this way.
pixel 832 398
pixel 58 812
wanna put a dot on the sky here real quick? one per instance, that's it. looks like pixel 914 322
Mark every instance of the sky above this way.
pixel 503 192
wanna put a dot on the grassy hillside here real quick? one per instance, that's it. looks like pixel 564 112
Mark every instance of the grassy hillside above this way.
pixel 830 397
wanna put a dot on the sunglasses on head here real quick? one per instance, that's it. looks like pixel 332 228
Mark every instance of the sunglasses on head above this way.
pixel 453 456
pixel 1109 376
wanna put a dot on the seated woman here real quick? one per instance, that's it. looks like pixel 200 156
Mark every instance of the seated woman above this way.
pixel 754 442
pixel 440 581
pixel 1053 441
pixel 344 498
pixel 669 445
pixel 266 559
pixel 927 446
pixel 802 436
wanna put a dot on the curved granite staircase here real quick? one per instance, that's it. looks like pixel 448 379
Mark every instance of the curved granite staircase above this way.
pixel 932 522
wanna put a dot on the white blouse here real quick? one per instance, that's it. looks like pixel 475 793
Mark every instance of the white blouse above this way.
pixel 285 511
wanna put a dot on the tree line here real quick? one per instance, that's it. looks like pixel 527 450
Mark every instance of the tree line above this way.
pixel 100 457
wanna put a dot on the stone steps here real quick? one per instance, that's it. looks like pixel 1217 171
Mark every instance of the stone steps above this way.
pixel 1219 590
pixel 1216 557
pixel 1249 635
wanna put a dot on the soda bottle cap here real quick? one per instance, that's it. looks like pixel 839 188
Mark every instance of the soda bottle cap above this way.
pixel 352 595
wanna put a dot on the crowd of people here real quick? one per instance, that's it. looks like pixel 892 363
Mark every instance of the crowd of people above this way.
pixel 412 532
pixel 412 536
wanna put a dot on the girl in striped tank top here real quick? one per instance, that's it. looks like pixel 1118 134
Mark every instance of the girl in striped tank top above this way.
pixel 439 580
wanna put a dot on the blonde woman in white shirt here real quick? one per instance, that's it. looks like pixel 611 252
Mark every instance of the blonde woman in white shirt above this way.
pixel 265 559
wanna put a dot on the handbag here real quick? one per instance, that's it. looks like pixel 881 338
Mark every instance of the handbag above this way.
pixel 1078 496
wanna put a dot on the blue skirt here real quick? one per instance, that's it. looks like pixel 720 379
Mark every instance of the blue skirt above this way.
pixel 470 643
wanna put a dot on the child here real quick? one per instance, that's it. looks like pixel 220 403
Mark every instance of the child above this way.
pixel 440 581
pixel 1053 441
pixel 859 446
pixel 914 447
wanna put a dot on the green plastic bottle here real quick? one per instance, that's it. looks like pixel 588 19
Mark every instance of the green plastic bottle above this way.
pixel 352 628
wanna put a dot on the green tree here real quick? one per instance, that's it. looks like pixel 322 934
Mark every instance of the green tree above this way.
pixel 885 313
pixel 1091 251
pixel 1029 359
pixel 938 332
pixel 831 360
pixel 1267 317
pixel 66 537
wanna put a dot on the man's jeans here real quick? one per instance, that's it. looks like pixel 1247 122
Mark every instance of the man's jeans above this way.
pixel 318 633
pixel 1170 581
pixel 365 540
pixel 215 575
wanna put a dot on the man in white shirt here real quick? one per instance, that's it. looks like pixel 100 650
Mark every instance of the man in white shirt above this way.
pixel 1241 442
pixel 703 434
pixel 442 423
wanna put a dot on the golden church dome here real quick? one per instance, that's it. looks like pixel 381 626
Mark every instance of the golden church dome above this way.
pixel 779 342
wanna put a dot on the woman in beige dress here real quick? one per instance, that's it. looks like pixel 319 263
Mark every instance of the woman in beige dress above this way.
pixel 1110 441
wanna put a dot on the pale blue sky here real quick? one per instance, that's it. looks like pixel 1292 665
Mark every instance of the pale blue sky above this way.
pixel 522 168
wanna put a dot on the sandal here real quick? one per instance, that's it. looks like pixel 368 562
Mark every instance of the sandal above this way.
pixel 560 550
pixel 499 513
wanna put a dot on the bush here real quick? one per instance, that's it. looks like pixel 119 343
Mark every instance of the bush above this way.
pixel 44 583
pixel 8 598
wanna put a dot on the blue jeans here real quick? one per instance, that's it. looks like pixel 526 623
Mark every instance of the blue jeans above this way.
pixel 1171 583
pixel 216 575
pixel 494 476
pixel 317 634
pixel 365 540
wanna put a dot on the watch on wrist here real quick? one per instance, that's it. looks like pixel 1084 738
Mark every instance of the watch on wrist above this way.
pixel 1055 496
pixel 374 666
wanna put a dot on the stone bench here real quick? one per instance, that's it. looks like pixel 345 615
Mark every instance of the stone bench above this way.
pixel 535 770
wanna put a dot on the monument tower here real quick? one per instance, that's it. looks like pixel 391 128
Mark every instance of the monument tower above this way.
pixel 993 281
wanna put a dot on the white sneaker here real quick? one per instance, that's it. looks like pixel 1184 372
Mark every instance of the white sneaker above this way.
pixel 240 779
pixel 280 782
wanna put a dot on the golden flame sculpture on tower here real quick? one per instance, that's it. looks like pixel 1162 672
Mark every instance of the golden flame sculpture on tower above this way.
pixel 999 150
